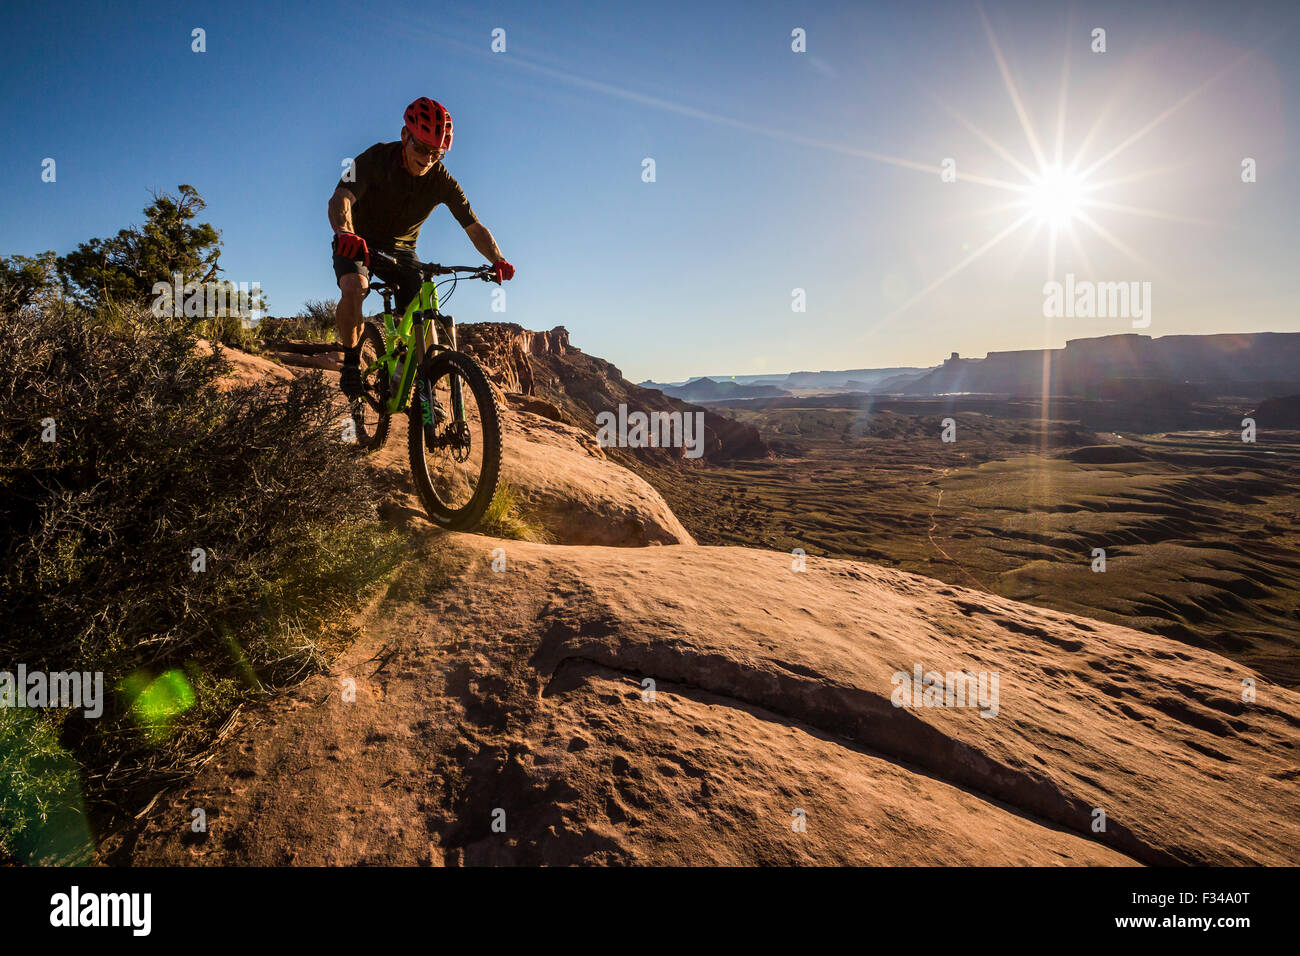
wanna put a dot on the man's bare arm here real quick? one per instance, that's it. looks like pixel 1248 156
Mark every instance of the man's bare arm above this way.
pixel 483 241
pixel 341 210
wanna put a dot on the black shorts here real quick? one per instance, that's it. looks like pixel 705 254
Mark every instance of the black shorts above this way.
pixel 404 278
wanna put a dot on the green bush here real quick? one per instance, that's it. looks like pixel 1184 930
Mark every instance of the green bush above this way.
pixel 230 330
pixel 153 458
pixel 124 268
pixel 25 280
pixel 42 818
pixel 314 323
pixel 320 317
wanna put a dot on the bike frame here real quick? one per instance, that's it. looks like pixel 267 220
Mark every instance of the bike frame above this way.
pixel 407 346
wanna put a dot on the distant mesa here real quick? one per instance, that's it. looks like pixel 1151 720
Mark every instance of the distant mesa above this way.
pixel 1281 412
pixel 706 389
pixel 1172 368
pixel 1167 372
pixel 741 386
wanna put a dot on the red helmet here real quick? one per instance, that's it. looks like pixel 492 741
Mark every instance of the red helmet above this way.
pixel 430 123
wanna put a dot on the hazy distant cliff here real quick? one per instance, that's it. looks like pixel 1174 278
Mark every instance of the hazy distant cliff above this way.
pixel 1259 363
pixel 569 385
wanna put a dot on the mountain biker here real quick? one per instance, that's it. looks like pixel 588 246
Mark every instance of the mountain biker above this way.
pixel 381 203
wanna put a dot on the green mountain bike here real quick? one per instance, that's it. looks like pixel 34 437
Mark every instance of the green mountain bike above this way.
pixel 453 424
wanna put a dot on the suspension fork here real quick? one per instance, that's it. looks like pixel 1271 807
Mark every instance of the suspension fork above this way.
pixel 457 398
pixel 438 322
pixel 426 315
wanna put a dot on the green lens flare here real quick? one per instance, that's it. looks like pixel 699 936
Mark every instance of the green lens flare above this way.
pixel 156 702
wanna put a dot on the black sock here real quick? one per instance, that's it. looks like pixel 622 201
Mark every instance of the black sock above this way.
pixel 352 356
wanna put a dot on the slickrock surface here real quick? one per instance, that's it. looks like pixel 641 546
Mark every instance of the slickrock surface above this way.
pixel 522 691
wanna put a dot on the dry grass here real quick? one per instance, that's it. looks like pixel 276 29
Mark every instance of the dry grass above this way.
pixel 505 518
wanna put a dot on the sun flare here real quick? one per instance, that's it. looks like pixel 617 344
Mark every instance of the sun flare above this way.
pixel 1056 195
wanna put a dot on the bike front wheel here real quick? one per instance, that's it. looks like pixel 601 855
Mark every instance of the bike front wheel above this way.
pixel 454 438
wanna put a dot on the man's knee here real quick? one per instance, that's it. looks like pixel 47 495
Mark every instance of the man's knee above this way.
pixel 353 287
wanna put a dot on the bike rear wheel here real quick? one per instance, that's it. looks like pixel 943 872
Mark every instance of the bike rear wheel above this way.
pixel 455 461
pixel 370 417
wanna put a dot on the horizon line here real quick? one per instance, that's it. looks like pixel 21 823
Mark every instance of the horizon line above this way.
pixel 882 368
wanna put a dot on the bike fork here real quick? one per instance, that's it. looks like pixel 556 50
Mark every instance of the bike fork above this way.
pixel 426 402
pixel 457 400
pixel 425 388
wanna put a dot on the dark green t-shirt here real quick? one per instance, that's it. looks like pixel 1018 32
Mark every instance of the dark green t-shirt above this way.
pixel 392 204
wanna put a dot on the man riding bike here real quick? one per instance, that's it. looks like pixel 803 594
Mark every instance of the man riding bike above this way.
pixel 381 203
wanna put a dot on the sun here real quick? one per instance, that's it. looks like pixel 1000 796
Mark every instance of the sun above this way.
pixel 1050 190
pixel 1056 196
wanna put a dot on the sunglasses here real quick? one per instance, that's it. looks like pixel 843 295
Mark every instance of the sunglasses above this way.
pixel 421 150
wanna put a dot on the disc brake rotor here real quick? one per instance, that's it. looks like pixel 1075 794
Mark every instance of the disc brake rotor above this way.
pixel 460 441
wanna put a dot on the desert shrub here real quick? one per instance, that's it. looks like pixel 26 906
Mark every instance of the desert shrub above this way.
pixel 319 316
pixel 41 812
pixel 313 323
pixel 26 280
pixel 230 330
pixel 151 459
pixel 506 518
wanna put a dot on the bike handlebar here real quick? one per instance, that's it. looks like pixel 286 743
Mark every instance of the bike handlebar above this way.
pixel 434 269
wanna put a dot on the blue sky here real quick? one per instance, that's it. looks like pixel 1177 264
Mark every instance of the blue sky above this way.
pixel 775 170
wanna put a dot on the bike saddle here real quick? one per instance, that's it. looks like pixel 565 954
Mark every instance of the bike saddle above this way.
pixel 386 291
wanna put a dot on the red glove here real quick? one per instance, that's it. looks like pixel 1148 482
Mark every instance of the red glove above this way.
pixel 503 270
pixel 351 246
